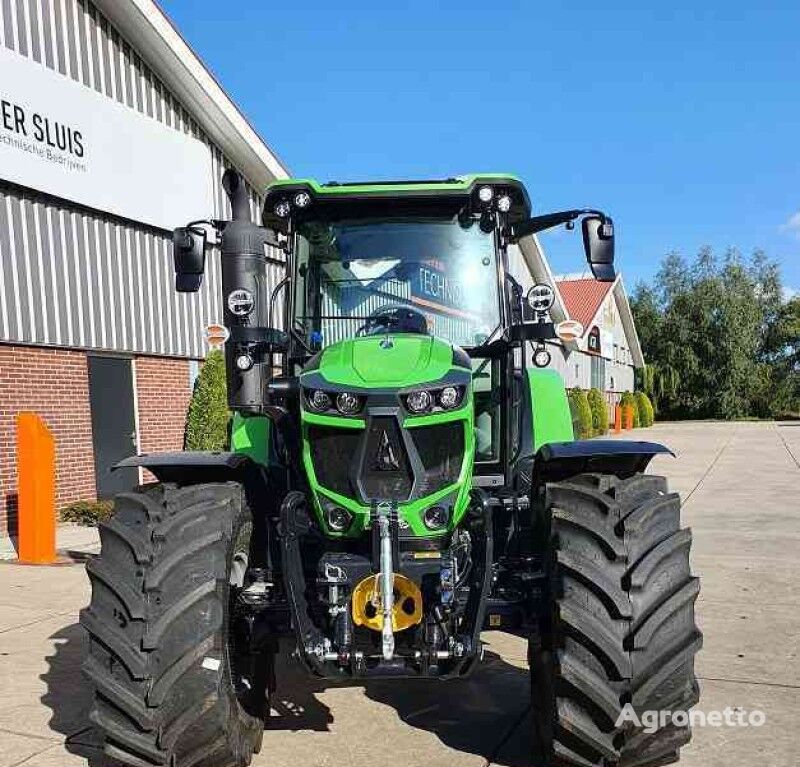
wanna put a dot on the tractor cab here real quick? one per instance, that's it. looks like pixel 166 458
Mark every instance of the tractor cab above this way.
pixel 427 258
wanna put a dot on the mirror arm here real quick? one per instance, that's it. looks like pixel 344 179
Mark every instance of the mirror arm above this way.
pixel 517 231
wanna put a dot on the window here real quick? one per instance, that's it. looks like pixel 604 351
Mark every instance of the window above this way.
pixel 443 267
pixel 487 395
pixel 593 340
pixel 598 373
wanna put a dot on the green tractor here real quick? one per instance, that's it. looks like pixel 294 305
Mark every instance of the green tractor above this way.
pixel 399 480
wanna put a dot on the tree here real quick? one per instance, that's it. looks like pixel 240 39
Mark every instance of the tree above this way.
pixel 717 337
pixel 207 420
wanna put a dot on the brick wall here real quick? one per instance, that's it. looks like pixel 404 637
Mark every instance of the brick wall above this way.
pixel 55 384
pixel 162 390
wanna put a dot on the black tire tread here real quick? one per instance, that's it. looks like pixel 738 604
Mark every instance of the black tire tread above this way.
pixel 158 599
pixel 623 627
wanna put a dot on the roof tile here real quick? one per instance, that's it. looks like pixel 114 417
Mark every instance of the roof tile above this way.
pixel 582 298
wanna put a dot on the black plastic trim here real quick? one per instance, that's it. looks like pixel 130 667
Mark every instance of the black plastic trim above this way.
pixel 624 458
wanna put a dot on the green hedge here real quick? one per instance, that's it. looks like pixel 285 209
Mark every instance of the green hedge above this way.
pixel 87 513
pixel 581 413
pixel 645 407
pixel 597 404
pixel 207 420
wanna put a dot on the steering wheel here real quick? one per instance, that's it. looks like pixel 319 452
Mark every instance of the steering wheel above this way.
pixel 394 318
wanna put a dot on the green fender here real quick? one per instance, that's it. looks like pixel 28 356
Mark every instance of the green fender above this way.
pixel 550 414
pixel 250 436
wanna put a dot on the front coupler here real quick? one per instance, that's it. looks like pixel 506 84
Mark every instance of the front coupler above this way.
pixel 322 654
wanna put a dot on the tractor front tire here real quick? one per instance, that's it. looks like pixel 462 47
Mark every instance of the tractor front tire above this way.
pixel 618 624
pixel 168 683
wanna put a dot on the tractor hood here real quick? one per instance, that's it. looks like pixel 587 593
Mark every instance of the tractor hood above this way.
pixel 386 361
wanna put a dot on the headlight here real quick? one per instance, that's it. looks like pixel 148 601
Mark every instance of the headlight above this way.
pixel 244 362
pixel 318 400
pixel 435 517
pixel 338 519
pixel 348 403
pixel 449 397
pixel 418 401
pixel 541 357
pixel 541 297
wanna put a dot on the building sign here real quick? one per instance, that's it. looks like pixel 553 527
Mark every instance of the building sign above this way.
pixel 62 138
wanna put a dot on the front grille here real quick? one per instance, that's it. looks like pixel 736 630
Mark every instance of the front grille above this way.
pixel 373 464
pixel 332 451
pixel 386 471
pixel 441 450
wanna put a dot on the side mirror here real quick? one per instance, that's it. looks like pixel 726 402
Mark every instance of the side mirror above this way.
pixel 189 253
pixel 598 242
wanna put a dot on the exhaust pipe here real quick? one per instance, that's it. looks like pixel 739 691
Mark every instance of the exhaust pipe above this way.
pixel 245 300
pixel 236 189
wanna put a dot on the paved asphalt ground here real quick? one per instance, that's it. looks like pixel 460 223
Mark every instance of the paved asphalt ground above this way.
pixel 741 488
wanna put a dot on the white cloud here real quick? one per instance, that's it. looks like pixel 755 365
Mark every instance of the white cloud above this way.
pixel 793 224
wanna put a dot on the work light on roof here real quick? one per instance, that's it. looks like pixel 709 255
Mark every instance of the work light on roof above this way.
pixel 504 203
pixel 302 199
pixel 485 194
pixel 283 209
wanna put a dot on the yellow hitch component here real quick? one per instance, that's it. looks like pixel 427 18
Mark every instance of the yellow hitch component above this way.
pixel 407 610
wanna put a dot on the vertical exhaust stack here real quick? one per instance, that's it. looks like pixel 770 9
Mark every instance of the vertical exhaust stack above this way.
pixel 245 299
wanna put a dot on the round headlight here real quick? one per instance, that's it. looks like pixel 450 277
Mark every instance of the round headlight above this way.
pixel 541 297
pixel 449 397
pixel 339 519
pixel 485 193
pixel 283 209
pixel 418 401
pixel 348 403
pixel 302 199
pixel 244 362
pixel 319 400
pixel 435 517
pixel 504 203
pixel 541 357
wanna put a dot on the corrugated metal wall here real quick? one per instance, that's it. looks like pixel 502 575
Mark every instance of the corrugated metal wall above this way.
pixel 70 277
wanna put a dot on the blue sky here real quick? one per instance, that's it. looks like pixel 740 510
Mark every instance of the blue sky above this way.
pixel 681 121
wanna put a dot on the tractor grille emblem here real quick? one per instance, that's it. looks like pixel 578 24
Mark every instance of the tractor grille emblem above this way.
pixel 385 458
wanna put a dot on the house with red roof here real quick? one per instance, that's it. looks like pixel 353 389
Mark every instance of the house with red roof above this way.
pixel 608 352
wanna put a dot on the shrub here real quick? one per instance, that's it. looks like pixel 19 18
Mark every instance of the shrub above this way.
pixel 87 513
pixel 581 413
pixel 629 399
pixel 645 408
pixel 207 420
pixel 597 404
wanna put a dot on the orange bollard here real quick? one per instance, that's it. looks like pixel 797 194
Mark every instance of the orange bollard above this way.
pixel 36 482
pixel 628 419
pixel 617 419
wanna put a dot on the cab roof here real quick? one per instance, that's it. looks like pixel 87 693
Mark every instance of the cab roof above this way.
pixel 356 199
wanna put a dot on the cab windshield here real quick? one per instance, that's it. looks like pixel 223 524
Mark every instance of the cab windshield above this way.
pixel 348 272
